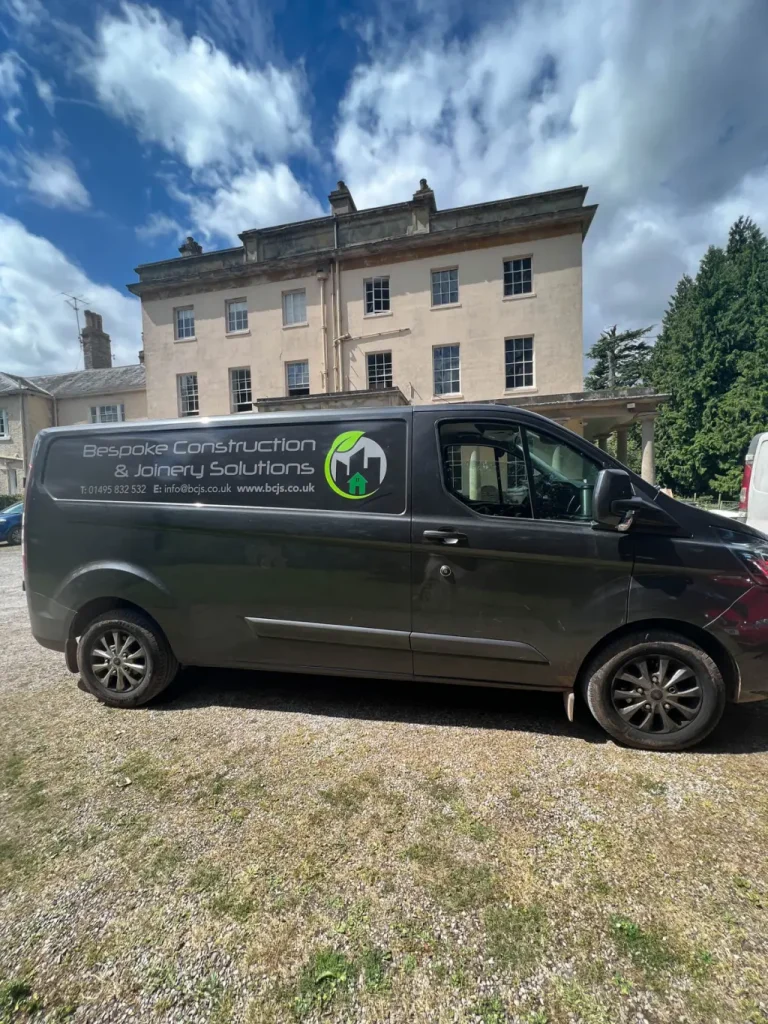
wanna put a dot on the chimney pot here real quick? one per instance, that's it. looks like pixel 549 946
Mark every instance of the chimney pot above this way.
pixel 190 247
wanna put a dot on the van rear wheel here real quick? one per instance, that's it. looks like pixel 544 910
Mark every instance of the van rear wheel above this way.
pixel 124 659
pixel 655 691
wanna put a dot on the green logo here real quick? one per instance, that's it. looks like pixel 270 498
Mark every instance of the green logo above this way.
pixel 355 465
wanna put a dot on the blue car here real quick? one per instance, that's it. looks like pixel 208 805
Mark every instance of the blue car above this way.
pixel 10 523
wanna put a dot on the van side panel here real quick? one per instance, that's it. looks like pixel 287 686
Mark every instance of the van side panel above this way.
pixel 210 573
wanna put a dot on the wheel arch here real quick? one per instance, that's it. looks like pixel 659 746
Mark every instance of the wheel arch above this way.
pixel 98 605
pixel 708 643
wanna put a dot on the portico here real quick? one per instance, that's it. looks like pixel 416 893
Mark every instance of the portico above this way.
pixel 598 414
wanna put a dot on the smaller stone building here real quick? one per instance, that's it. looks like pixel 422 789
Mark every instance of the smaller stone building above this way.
pixel 100 393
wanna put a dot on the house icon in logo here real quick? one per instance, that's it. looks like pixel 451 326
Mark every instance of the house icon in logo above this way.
pixel 357 484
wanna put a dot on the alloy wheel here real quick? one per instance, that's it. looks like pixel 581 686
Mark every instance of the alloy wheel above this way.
pixel 656 694
pixel 119 660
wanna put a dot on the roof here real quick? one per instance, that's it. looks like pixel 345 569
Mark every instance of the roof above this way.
pixel 93 382
pixel 12 384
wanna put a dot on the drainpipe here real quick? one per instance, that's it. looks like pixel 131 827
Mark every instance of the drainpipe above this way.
pixel 322 276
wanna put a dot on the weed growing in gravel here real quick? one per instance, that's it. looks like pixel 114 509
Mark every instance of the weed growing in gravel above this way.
pixel 646 947
pixel 17 997
pixel 348 797
pixel 328 975
pixel 205 876
pixel 515 936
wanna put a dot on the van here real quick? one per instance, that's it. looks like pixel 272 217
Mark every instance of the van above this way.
pixel 470 544
pixel 753 499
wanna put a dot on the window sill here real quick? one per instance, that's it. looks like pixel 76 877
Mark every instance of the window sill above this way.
pixel 521 391
pixel 448 398
pixel 238 334
pixel 183 341
pixel 5 437
pixel 292 327
pixel 376 316
pixel 446 305
pixel 516 298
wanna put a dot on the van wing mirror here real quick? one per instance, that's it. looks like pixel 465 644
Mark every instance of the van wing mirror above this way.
pixel 612 485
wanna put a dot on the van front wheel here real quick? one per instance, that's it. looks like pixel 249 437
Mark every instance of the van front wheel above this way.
pixel 124 659
pixel 655 691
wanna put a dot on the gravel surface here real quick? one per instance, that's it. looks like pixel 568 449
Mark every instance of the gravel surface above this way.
pixel 263 848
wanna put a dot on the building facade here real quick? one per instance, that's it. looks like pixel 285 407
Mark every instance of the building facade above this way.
pixel 475 303
pixel 100 393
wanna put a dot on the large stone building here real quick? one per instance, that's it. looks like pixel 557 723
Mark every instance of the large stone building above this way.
pixel 100 393
pixel 473 303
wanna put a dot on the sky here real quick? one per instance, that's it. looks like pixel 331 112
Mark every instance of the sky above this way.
pixel 126 126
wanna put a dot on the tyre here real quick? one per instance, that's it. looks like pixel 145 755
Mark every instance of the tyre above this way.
pixel 655 691
pixel 124 659
pixel 14 537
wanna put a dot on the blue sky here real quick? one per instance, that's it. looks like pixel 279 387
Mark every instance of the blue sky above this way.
pixel 124 127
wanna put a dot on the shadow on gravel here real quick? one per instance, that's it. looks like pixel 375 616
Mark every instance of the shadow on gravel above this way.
pixel 378 700
pixel 743 730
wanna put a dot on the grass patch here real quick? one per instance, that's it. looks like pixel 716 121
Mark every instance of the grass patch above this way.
pixel 467 886
pixel 491 1010
pixel 327 976
pixel 652 786
pixel 205 877
pixel 373 964
pixel 515 936
pixel 645 946
pixel 143 770
pixel 348 797
pixel 575 999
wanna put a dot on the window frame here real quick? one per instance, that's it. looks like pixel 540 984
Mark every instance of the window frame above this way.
pixel 227 307
pixel 5 424
pixel 509 388
pixel 513 294
pixel 523 427
pixel 373 355
pixel 446 394
pixel 372 281
pixel 98 410
pixel 297 362
pixel 184 337
pixel 294 323
pixel 450 302
pixel 179 376
pixel 232 403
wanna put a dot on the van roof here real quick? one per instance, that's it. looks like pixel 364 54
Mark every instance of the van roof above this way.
pixel 244 419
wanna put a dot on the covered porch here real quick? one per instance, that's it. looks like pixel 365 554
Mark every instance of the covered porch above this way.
pixel 598 414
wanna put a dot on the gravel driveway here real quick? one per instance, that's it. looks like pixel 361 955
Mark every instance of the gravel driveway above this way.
pixel 262 848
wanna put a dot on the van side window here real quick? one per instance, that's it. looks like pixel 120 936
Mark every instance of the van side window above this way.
pixel 484 466
pixel 563 479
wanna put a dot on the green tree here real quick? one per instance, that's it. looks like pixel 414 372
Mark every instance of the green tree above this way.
pixel 621 359
pixel 711 357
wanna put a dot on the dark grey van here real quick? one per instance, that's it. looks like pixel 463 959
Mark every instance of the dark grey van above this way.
pixel 462 544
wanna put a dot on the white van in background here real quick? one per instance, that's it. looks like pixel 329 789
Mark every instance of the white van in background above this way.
pixel 753 499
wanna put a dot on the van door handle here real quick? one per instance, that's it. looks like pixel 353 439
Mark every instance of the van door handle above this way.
pixel 452 537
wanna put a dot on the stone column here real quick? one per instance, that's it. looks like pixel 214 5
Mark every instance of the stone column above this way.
pixel 648 464
pixel 602 442
pixel 621 445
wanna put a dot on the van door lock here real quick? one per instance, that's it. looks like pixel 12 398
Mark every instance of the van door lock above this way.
pixel 446 571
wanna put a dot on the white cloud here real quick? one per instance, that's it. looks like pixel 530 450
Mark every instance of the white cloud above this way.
pixel 255 198
pixel 190 97
pixel 661 111
pixel 157 226
pixel 38 333
pixel 11 74
pixel 52 180
pixel 45 93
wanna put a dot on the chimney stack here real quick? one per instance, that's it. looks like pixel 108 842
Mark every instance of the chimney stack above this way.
pixel 97 346
pixel 341 200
